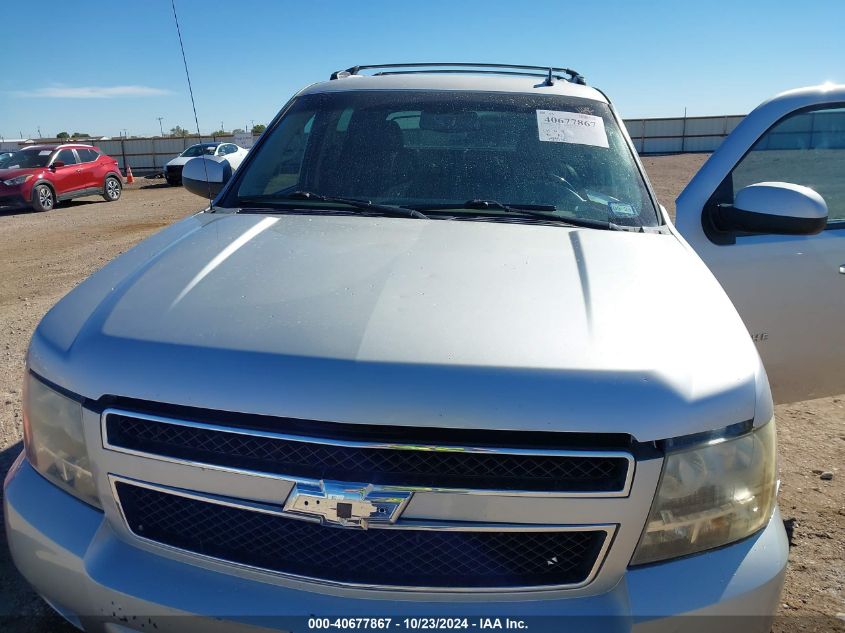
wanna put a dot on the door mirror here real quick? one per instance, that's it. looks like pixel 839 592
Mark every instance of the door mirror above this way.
pixel 776 208
pixel 206 175
pixel 56 164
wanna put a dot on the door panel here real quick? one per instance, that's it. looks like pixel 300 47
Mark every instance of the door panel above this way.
pixel 91 169
pixel 70 177
pixel 788 289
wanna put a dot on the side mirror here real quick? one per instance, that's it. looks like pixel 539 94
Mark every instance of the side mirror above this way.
pixel 206 175
pixel 56 164
pixel 775 208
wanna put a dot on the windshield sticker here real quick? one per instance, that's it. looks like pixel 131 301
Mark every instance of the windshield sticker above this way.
pixel 623 208
pixel 45 152
pixel 571 127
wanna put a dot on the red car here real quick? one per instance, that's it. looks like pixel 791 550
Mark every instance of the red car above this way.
pixel 43 175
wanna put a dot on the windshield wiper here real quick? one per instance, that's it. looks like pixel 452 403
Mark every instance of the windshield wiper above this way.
pixel 385 209
pixel 540 211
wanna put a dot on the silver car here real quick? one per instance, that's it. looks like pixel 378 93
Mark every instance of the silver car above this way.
pixel 433 356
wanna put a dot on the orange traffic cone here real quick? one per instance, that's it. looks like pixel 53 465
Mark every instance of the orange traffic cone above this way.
pixel 129 177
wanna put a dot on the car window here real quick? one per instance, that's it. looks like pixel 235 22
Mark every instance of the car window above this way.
pixel 806 148
pixel 426 149
pixel 67 157
pixel 198 150
pixel 288 150
pixel 29 158
pixel 87 155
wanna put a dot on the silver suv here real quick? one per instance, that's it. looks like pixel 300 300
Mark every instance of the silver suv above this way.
pixel 434 350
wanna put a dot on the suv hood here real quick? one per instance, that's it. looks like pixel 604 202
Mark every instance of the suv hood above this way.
pixel 6 174
pixel 181 160
pixel 410 322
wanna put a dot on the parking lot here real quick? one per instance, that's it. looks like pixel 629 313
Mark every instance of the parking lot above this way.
pixel 47 254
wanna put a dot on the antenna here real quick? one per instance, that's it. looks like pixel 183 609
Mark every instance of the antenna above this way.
pixel 193 103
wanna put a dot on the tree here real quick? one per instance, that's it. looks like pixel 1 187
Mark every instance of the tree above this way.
pixel 62 135
pixel 258 128
pixel 220 133
pixel 178 131
pixel 238 130
pixel 80 135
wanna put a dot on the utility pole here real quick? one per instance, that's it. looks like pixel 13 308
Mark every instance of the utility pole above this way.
pixel 124 132
pixel 39 130
pixel 160 129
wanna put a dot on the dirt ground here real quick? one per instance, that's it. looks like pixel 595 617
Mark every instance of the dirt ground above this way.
pixel 43 256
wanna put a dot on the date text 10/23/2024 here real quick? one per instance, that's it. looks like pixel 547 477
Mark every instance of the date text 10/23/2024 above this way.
pixel 419 623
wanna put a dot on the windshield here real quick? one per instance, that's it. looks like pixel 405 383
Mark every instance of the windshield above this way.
pixel 199 150
pixel 433 151
pixel 27 158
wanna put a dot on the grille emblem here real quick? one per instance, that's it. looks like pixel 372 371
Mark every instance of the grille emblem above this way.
pixel 346 504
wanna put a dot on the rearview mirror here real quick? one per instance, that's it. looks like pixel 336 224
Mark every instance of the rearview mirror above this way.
pixel 775 208
pixel 450 121
pixel 57 163
pixel 206 175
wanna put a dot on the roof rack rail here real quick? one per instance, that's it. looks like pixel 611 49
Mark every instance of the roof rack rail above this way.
pixel 551 73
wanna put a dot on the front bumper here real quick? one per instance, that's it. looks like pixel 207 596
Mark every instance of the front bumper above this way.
pixel 96 579
pixel 173 173
pixel 12 197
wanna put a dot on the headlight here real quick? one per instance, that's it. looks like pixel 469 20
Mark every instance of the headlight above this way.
pixel 711 495
pixel 17 180
pixel 54 441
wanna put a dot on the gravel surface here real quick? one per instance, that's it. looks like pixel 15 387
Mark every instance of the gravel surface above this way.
pixel 45 255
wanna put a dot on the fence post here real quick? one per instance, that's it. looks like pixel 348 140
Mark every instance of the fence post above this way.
pixel 642 136
pixel 812 130
pixel 123 152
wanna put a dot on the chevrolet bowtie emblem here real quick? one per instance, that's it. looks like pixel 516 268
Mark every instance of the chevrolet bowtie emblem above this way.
pixel 346 504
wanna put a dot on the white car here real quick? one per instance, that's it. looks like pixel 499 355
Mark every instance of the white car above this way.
pixel 233 154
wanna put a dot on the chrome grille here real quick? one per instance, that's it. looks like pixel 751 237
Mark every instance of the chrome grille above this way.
pixel 444 559
pixel 396 463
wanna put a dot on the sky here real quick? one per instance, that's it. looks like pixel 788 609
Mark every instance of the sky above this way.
pixel 102 67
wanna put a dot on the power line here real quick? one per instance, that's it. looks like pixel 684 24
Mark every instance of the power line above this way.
pixel 191 92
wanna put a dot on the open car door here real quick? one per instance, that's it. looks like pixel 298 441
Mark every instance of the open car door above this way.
pixel 766 213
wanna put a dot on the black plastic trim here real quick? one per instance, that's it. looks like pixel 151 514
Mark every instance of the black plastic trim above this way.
pixel 379 433
pixel 727 219
pixel 79 193
pixel 548 71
